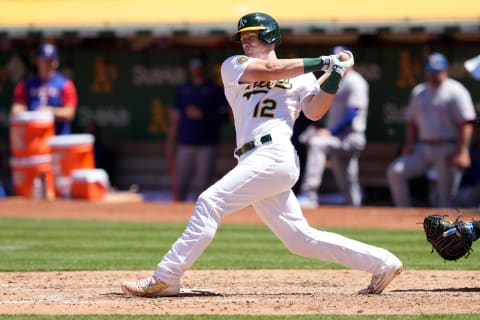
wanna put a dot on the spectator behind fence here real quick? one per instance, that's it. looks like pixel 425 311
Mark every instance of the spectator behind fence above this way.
pixel 48 90
pixel 199 111
pixel 342 141
pixel 438 132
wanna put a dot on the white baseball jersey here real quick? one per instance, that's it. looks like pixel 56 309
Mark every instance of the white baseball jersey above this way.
pixel 264 107
pixel 263 178
pixel 352 92
pixel 438 113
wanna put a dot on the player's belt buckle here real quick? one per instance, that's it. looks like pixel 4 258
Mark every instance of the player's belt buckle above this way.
pixel 252 144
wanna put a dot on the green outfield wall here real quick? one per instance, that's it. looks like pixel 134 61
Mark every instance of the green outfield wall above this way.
pixel 128 93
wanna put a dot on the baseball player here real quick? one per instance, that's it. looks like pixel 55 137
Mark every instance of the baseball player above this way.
pixel 266 95
pixel 439 127
pixel 341 140
pixel 473 66
pixel 48 91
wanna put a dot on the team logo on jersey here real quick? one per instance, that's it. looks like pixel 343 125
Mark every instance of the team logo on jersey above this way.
pixel 262 87
pixel 242 59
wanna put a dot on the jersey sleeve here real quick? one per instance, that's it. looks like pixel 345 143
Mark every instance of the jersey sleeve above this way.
pixel 69 94
pixel 233 68
pixel 20 94
pixel 465 111
pixel 310 86
pixel 358 97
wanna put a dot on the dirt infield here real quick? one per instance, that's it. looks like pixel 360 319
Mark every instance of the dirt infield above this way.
pixel 280 292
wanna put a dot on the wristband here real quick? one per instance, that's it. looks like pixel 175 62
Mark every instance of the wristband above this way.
pixel 471 228
pixel 312 64
pixel 331 84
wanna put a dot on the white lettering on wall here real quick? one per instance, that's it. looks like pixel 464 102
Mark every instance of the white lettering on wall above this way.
pixel 143 76
pixel 393 114
pixel 105 116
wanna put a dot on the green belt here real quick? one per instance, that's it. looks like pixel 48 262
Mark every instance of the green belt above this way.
pixel 251 145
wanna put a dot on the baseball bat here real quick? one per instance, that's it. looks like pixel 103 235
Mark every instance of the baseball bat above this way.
pixel 344 56
pixel 323 77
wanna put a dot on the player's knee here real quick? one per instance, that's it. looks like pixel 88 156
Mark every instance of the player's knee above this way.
pixel 300 245
pixel 206 203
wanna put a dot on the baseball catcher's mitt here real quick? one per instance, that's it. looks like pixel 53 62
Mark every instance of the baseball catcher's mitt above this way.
pixel 451 240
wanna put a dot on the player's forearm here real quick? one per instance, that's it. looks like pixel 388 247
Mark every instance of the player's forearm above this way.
pixel 280 69
pixel 464 136
pixel 66 113
pixel 263 70
pixel 410 133
pixel 315 107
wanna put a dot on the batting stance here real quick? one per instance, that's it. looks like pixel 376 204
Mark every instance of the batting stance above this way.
pixel 266 95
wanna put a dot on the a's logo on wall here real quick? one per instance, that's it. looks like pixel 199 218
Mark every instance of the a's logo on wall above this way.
pixel 104 74
pixel 159 118
pixel 409 70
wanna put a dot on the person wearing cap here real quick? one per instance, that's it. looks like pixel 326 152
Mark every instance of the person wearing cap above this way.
pixel 266 94
pixel 341 140
pixel 48 90
pixel 438 131
pixel 199 111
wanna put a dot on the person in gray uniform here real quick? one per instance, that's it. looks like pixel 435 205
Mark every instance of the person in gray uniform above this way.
pixel 438 131
pixel 342 141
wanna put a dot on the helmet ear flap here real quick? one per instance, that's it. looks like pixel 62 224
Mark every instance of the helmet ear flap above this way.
pixel 270 37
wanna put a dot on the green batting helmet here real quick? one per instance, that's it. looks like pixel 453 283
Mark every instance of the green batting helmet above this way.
pixel 268 27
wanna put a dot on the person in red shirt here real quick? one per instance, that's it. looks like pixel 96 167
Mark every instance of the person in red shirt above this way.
pixel 48 90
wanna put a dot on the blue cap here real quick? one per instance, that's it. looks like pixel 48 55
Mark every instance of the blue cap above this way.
pixel 436 62
pixel 338 49
pixel 47 50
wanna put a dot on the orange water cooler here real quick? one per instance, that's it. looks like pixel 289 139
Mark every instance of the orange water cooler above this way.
pixel 31 160
pixel 89 184
pixel 29 133
pixel 26 171
pixel 69 153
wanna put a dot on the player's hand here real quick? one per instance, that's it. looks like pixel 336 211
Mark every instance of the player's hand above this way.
pixel 44 109
pixel 193 112
pixel 323 132
pixel 342 61
pixel 327 62
pixel 460 159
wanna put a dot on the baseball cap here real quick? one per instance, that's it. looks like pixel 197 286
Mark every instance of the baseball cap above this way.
pixel 338 49
pixel 436 62
pixel 47 50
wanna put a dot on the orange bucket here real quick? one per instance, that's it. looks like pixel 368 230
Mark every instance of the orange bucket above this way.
pixel 90 184
pixel 29 133
pixel 70 152
pixel 26 169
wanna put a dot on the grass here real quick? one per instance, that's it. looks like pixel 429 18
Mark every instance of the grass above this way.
pixel 49 245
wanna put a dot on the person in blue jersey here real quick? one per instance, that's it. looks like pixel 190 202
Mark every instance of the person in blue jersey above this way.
pixel 199 111
pixel 48 90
